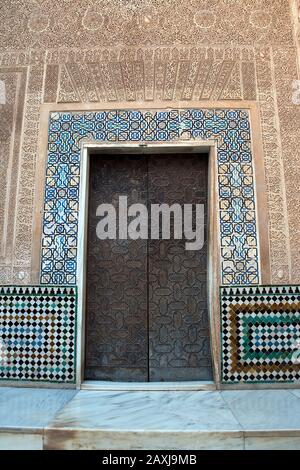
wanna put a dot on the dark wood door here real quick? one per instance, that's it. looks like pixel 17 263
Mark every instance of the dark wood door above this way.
pixel 179 343
pixel 117 318
pixel 147 317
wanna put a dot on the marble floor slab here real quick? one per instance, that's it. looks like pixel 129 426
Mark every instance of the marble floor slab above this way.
pixel 295 392
pixel 26 408
pixel 144 420
pixel 151 411
pixel 267 410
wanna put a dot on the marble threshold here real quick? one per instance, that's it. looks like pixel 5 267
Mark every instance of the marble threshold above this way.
pixel 32 418
pixel 147 386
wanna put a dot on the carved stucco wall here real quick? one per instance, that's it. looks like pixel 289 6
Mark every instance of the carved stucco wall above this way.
pixel 140 52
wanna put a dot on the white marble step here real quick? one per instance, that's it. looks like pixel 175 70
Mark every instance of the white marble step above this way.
pixel 186 419
pixel 147 386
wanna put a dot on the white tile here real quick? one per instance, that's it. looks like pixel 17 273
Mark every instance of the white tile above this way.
pixel 264 409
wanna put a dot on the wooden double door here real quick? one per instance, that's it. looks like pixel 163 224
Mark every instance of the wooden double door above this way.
pixel 146 307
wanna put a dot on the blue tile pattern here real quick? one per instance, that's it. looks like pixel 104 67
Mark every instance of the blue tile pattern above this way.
pixel 38 333
pixel 229 128
pixel 260 334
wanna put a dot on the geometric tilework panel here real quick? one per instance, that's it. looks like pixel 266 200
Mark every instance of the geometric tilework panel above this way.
pixel 229 128
pixel 37 333
pixel 260 334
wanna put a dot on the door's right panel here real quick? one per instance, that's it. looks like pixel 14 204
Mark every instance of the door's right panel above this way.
pixel 179 340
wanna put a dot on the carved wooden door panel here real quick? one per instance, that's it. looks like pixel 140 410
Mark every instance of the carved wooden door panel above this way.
pixel 116 320
pixel 147 313
pixel 179 342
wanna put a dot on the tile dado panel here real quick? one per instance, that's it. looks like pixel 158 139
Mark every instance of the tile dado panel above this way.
pixel 37 333
pixel 260 334
pixel 230 128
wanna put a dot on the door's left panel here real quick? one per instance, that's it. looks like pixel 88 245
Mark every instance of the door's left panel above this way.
pixel 116 284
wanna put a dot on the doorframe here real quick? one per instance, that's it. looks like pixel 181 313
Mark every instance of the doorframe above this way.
pixel 213 261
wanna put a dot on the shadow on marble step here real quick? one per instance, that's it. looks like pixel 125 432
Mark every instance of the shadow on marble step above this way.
pixel 66 439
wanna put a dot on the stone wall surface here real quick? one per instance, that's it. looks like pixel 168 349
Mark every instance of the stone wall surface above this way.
pixel 148 52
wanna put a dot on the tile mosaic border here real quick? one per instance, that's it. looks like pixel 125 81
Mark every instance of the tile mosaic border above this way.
pixel 38 329
pixel 260 333
pixel 229 128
